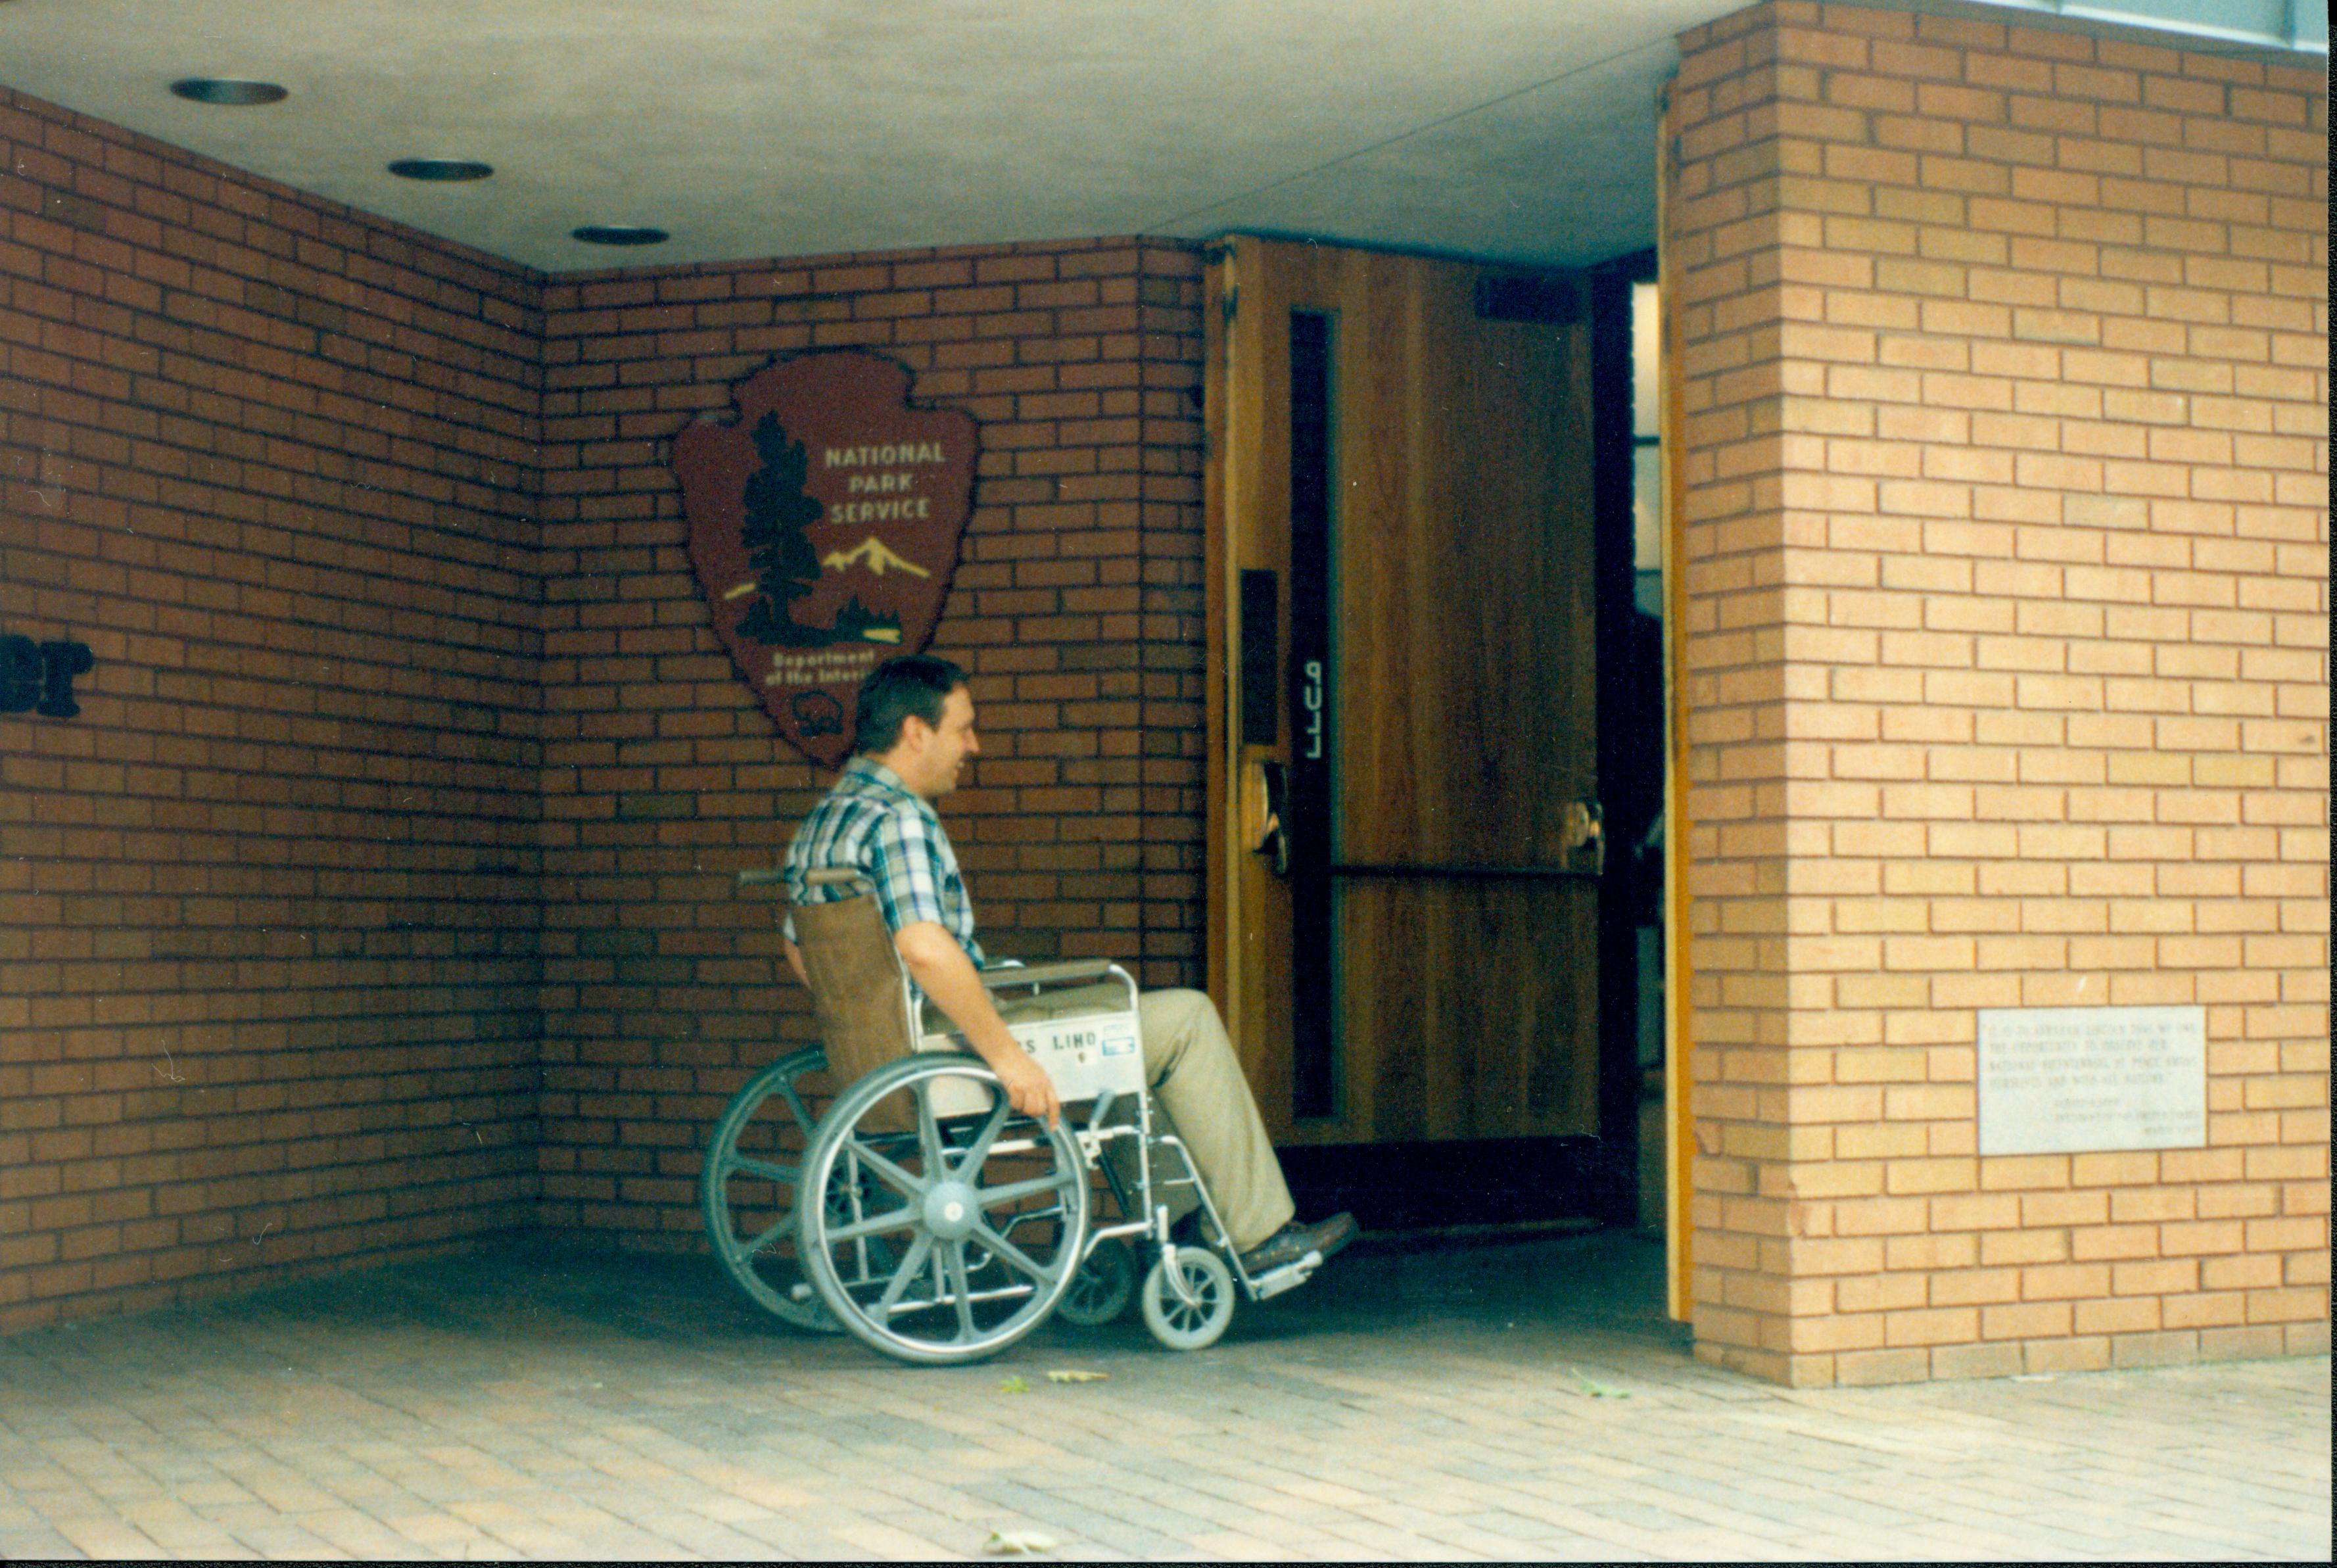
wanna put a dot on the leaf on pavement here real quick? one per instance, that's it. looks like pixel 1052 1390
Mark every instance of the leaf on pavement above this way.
pixel 1597 1390
pixel 1014 1386
pixel 1016 1543
pixel 1077 1377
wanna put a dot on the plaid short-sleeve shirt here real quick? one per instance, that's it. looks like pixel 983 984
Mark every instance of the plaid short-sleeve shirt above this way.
pixel 873 823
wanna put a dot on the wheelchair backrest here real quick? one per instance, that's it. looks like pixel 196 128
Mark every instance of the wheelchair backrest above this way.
pixel 859 992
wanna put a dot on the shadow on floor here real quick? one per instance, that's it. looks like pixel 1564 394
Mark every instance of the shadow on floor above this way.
pixel 1603 1289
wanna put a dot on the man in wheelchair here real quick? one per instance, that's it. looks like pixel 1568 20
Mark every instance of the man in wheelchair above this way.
pixel 913 734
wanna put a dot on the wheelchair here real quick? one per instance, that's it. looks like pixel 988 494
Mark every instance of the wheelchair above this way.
pixel 881 1184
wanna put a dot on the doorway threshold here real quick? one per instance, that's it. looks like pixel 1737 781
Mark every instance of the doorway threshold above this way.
pixel 1484 1181
pixel 1441 1238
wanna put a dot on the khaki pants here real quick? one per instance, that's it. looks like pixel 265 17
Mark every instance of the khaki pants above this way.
pixel 1198 1084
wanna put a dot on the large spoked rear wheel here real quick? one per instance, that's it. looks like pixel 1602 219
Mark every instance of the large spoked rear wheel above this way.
pixel 950 1226
pixel 747 1189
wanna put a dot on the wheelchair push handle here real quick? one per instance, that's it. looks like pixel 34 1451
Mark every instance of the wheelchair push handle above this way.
pixel 827 876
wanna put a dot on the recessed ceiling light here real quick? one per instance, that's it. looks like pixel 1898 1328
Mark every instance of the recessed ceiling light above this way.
pixel 441 169
pixel 620 234
pixel 228 90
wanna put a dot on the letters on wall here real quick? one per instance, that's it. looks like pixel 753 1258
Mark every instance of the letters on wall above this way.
pixel 38 677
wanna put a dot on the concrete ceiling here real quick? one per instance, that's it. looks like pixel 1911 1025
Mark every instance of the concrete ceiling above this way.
pixel 1515 130
pixel 1522 129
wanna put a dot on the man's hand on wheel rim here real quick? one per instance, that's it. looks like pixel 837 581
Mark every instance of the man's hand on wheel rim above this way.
pixel 1028 1088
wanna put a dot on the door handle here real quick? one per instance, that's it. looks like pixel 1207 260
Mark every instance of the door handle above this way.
pixel 1586 823
pixel 1265 797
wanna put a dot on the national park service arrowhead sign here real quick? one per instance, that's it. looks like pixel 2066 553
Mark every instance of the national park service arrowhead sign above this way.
pixel 824 524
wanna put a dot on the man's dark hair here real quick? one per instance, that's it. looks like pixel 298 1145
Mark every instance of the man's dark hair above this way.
pixel 918 684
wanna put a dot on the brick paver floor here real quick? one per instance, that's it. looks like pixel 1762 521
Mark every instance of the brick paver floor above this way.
pixel 1522 1400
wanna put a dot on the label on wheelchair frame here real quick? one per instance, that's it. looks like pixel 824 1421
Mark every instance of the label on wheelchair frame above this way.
pixel 1087 1056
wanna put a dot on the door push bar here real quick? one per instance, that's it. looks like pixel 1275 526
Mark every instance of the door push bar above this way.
pixel 1471 873
pixel 1584 825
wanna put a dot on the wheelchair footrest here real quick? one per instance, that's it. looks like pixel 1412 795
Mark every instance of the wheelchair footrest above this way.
pixel 1289 1277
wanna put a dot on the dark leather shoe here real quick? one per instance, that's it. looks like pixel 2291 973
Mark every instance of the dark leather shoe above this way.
pixel 1294 1241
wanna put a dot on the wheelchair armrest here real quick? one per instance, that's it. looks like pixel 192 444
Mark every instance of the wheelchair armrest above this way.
pixel 1070 969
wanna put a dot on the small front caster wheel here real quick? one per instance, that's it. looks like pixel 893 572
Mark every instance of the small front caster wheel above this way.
pixel 1196 1324
pixel 1102 1289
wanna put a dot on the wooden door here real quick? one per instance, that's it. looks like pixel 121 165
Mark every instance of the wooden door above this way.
pixel 1400 574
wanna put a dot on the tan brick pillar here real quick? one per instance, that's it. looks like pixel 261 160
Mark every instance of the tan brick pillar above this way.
pixel 2003 357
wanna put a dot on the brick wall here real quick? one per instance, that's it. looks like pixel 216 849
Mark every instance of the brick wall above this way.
pixel 411 769
pixel 1076 607
pixel 267 908
pixel 2004 357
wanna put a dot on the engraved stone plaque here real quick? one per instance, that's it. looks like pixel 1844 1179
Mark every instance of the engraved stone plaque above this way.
pixel 2075 1080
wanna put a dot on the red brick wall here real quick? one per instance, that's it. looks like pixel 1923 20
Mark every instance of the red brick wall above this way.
pixel 1077 608
pixel 2004 374
pixel 382 896
pixel 267 906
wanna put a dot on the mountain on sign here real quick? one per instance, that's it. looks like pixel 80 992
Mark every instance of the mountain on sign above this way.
pixel 871 554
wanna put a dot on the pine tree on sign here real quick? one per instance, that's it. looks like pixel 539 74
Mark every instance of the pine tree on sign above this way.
pixel 787 567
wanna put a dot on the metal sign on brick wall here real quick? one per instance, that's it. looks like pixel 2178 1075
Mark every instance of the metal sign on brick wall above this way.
pixel 823 525
pixel 2077 1080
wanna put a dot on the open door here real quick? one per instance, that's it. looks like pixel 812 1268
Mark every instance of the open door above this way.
pixel 1405 836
